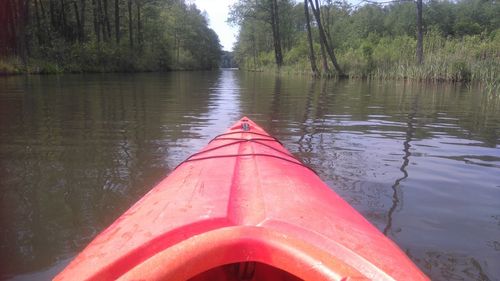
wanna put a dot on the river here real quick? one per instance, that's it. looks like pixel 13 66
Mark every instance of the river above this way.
pixel 419 161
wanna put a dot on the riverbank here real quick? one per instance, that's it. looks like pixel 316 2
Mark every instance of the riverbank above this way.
pixel 467 59
pixel 473 59
pixel 90 58
pixel 158 36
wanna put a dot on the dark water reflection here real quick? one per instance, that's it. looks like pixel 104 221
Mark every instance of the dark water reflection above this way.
pixel 421 162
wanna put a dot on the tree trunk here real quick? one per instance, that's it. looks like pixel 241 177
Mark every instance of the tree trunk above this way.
pixel 130 24
pixel 21 34
pixel 13 19
pixel 177 50
pixel 102 21
pixel 62 21
pixel 82 20
pixel 78 23
pixel 27 23
pixel 117 21
pixel 12 43
pixel 420 36
pixel 52 15
pixel 139 23
pixel 324 58
pixel 42 10
pixel 6 34
pixel 176 47
pixel 96 22
pixel 312 57
pixel 254 48
pixel 276 33
pixel 322 36
pixel 106 19
pixel 48 38
pixel 38 24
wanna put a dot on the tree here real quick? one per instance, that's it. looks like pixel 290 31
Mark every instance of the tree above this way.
pixel 80 20
pixel 57 36
pixel 420 34
pixel 323 37
pixel 275 24
pixel 139 23
pixel 106 19
pixel 130 24
pixel 38 23
pixel 261 10
pixel 312 57
pixel 97 31
pixel 117 21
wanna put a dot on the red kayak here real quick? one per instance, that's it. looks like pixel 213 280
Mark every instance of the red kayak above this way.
pixel 243 208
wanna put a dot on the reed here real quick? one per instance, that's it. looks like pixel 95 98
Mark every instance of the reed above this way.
pixel 473 58
pixel 10 65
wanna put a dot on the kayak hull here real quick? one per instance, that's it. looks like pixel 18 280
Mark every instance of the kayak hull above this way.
pixel 243 208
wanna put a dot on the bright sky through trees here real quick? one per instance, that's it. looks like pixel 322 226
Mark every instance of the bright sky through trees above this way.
pixel 217 11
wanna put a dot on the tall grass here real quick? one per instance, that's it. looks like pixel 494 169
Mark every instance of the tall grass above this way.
pixel 473 58
pixel 102 57
pixel 10 65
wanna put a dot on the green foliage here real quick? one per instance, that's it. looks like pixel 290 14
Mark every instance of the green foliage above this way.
pixel 166 35
pixel 39 66
pixel 10 65
pixel 227 60
pixel 461 42
pixel 298 53
pixel 256 21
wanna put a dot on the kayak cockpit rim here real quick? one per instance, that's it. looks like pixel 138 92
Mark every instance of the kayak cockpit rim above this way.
pixel 215 251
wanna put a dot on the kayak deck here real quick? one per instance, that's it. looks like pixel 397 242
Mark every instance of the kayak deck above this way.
pixel 243 208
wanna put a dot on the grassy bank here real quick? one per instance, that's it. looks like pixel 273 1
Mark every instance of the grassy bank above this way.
pixel 10 66
pixel 473 58
pixel 91 57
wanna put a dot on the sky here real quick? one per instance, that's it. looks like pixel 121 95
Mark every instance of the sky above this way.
pixel 217 11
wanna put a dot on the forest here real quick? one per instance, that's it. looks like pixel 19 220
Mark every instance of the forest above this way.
pixel 436 40
pixel 54 36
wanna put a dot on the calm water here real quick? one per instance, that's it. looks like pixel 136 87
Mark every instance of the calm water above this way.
pixel 421 162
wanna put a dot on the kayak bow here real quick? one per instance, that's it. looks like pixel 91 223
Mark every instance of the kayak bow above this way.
pixel 243 208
